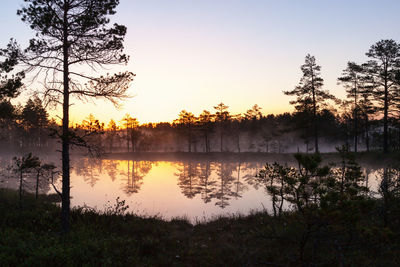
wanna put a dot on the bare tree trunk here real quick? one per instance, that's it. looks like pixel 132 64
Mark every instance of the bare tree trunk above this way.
pixel 315 118
pixel 238 141
pixel 190 139
pixel 221 138
pixel 385 117
pixel 65 205
pixel 367 132
pixel 355 130
pixel 127 137
pixel 111 142
pixel 206 143
pixel 37 185
pixel 20 189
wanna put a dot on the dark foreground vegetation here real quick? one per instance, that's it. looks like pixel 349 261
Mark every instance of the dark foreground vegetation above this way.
pixel 31 237
pixel 320 216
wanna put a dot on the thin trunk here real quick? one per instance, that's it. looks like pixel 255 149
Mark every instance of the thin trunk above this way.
pixel 273 197
pixel 315 118
pixel 238 141
pixel 111 142
pixel 355 118
pixel 37 185
pixel 385 115
pixel 221 138
pixel 189 139
pixel 20 189
pixel 398 138
pixel 367 132
pixel 206 142
pixel 133 140
pixel 127 138
pixel 65 205
pixel 238 182
pixel 281 197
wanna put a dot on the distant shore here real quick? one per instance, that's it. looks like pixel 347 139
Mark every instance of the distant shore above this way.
pixel 374 158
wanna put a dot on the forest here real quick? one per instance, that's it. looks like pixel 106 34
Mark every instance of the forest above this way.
pixel 366 120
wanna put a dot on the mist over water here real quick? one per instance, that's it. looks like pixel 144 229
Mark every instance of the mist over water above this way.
pixel 195 188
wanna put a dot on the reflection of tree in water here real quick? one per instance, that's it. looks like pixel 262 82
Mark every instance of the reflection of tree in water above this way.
pixel 90 169
pixel 206 183
pixel 135 173
pixel 8 179
pixel 198 178
pixel 188 179
pixel 240 187
pixel 111 166
pixel 366 173
pixel 224 187
pixel 251 169
pixel 5 172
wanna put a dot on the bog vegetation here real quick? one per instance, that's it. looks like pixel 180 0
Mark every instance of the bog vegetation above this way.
pixel 321 215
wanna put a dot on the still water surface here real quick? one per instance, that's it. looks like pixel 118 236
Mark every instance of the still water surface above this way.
pixel 195 189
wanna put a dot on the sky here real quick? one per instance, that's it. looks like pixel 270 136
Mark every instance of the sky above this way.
pixel 192 55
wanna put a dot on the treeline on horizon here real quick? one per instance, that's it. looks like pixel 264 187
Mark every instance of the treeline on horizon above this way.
pixel 366 120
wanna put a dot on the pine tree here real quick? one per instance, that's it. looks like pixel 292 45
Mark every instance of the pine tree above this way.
pixel 384 69
pixel 71 34
pixel 309 93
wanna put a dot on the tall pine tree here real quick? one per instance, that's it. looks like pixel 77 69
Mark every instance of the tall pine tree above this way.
pixel 71 35
pixel 309 93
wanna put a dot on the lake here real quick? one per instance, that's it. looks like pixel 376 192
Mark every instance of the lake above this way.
pixel 197 189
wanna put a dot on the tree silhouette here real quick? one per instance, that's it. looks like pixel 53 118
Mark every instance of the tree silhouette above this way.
pixel 112 129
pixel 10 83
pixel 71 34
pixel 188 179
pixel 22 166
pixel 221 117
pixel 236 128
pixel 10 80
pixel 309 93
pixel 206 126
pixel 254 113
pixel 7 121
pixel 187 121
pixel 132 134
pixel 34 117
pixel 135 176
pixel 206 183
pixel 353 80
pixel 384 68
pixel 92 130
pixel 223 191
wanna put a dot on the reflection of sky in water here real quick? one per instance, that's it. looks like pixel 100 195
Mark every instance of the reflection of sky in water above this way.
pixel 194 189
pixel 170 189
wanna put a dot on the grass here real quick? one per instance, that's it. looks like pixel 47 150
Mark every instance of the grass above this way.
pixel 31 237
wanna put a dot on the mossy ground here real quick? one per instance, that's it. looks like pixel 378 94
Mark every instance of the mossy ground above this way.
pixel 30 236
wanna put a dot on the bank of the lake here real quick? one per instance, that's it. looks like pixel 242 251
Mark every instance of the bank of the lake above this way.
pixel 373 158
pixel 30 236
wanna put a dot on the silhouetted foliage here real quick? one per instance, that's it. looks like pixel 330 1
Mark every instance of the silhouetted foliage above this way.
pixel 310 95
pixel 22 166
pixel 384 69
pixel 10 80
pixel 72 33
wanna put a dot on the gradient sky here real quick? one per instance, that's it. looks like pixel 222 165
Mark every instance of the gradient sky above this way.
pixel 195 54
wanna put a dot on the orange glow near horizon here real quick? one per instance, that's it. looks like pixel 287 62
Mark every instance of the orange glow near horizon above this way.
pixel 105 116
pixel 193 55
